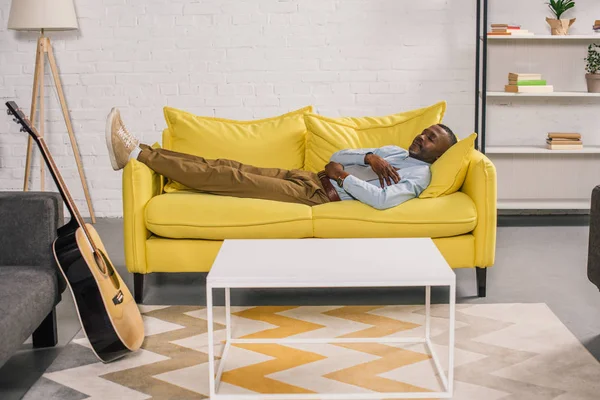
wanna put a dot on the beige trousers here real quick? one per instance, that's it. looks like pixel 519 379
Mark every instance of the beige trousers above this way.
pixel 231 178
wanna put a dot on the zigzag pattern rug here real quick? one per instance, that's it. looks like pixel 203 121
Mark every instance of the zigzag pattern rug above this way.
pixel 503 351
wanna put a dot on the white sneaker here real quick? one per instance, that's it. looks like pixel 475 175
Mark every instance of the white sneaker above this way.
pixel 119 141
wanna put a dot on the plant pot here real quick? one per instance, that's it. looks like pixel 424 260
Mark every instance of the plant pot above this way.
pixel 593 83
pixel 560 27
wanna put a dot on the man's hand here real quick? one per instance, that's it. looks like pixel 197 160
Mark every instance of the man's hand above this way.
pixel 335 170
pixel 383 169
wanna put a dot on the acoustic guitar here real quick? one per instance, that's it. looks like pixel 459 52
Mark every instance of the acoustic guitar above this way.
pixel 108 313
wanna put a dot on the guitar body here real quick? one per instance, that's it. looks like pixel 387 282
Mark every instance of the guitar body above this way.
pixel 108 313
pixel 106 308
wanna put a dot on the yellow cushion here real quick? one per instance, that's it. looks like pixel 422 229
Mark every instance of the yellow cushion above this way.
pixel 449 171
pixel 191 215
pixel 325 135
pixel 276 142
pixel 441 217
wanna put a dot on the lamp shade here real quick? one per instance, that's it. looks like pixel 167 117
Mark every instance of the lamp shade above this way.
pixel 55 15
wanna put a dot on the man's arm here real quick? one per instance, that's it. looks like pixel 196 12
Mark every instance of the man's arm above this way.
pixel 414 181
pixel 357 156
pixel 351 156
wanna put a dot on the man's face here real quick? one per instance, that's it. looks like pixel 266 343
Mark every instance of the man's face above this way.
pixel 430 144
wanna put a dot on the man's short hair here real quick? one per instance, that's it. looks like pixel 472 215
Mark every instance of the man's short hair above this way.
pixel 451 135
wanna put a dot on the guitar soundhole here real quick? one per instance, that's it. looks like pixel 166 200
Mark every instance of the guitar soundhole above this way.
pixel 100 262
pixel 109 269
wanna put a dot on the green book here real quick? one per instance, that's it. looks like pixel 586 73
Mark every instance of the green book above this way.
pixel 541 82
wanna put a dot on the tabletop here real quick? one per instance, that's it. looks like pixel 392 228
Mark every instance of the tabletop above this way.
pixel 369 262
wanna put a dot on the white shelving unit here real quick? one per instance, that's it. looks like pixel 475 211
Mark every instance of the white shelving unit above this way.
pixel 545 37
pixel 552 94
pixel 539 150
pixel 513 126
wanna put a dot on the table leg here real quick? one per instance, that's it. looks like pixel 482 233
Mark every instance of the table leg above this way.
pixel 427 311
pixel 228 313
pixel 451 338
pixel 211 348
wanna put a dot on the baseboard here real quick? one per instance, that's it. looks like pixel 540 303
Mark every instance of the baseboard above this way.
pixel 545 219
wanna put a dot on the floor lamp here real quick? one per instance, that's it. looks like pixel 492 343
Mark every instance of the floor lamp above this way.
pixel 42 15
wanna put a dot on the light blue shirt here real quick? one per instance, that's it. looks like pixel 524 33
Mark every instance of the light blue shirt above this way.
pixel 415 176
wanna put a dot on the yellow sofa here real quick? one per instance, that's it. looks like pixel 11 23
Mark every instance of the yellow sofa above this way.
pixel 182 231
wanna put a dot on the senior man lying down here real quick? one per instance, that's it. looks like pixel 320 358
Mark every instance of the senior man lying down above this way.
pixel 380 177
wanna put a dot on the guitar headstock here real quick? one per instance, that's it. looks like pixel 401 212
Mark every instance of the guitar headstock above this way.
pixel 20 118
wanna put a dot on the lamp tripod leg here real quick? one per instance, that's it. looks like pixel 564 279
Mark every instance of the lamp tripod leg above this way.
pixel 65 111
pixel 34 97
pixel 41 125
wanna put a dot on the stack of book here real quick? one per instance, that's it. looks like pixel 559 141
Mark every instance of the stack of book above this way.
pixel 508 30
pixel 597 26
pixel 564 141
pixel 527 83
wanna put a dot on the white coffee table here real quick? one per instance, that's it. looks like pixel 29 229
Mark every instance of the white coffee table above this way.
pixel 330 263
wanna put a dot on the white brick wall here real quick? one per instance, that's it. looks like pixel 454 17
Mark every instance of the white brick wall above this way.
pixel 237 59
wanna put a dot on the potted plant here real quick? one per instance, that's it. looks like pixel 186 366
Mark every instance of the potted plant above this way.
pixel 593 68
pixel 559 7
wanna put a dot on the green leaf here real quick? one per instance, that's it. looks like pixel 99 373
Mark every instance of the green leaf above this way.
pixel 559 7
pixel 552 6
pixel 593 59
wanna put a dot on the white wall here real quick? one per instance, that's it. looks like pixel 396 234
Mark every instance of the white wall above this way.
pixel 238 59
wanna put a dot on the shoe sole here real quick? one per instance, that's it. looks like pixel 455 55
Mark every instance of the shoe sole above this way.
pixel 108 136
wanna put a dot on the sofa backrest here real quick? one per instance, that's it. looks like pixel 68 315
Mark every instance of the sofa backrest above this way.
pixel 296 140
pixel 276 142
pixel 326 135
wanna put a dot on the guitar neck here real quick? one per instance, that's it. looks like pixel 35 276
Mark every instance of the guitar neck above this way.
pixel 62 188
pixel 13 109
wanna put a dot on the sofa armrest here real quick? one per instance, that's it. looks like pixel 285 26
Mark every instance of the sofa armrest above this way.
pixel 28 226
pixel 593 264
pixel 140 184
pixel 480 184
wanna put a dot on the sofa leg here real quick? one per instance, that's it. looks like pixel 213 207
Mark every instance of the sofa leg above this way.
pixel 46 334
pixel 481 281
pixel 138 287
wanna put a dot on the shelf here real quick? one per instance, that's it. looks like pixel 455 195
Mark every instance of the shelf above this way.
pixel 539 150
pixel 545 37
pixel 551 94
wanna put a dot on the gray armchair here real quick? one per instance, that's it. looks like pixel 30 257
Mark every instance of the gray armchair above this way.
pixel 30 282
pixel 594 244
